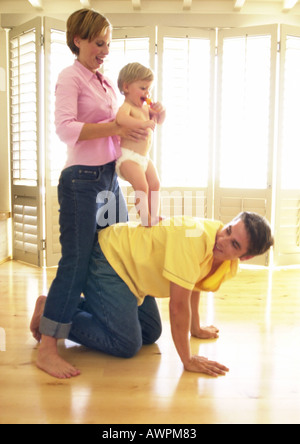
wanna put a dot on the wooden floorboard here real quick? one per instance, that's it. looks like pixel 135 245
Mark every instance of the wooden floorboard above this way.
pixel 258 314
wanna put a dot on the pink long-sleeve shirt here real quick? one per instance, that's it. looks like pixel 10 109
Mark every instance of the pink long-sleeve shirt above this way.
pixel 84 97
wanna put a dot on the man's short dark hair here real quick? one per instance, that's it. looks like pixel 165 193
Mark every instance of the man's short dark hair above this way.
pixel 259 233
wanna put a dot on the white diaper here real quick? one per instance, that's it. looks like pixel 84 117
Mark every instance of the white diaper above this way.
pixel 134 157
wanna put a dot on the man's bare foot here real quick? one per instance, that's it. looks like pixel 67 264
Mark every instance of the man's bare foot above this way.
pixel 50 362
pixel 36 317
pixel 206 333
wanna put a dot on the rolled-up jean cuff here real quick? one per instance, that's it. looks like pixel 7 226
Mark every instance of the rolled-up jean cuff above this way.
pixel 54 329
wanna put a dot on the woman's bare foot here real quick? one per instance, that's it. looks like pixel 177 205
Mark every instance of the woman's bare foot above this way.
pixel 206 333
pixel 50 362
pixel 36 317
pixel 48 358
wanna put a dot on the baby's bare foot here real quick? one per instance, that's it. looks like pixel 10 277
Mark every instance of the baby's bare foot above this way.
pixel 36 317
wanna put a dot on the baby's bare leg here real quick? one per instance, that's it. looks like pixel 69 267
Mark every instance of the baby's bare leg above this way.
pixel 134 174
pixel 154 192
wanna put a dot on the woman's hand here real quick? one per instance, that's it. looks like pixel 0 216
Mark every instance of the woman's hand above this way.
pixel 135 135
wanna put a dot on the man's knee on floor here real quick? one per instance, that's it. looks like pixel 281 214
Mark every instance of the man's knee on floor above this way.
pixel 130 348
pixel 152 335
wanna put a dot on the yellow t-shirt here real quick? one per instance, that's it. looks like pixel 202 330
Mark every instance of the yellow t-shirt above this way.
pixel 178 250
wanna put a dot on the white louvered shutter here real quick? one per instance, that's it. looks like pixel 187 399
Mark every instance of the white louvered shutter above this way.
pixel 25 51
pixel 287 247
pixel 245 123
pixel 186 87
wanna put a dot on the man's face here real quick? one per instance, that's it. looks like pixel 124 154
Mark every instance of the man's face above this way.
pixel 231 242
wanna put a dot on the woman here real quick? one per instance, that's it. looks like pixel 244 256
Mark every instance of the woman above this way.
pixel 86 107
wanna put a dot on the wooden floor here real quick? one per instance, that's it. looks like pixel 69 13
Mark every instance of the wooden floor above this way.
pixel 258 314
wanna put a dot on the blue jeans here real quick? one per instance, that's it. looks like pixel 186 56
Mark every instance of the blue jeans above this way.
pixel 108 318
pixel 89 199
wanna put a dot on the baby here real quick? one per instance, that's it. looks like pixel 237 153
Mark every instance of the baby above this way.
pixel 134 165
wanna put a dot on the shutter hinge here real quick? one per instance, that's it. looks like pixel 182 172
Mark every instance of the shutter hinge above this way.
pixel 43 244
pixel 278 47
pixel 42 40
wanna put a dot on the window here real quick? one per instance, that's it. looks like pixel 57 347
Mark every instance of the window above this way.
pixel 287 221
pixel 290 114
pixel 186 80
pixel 245 112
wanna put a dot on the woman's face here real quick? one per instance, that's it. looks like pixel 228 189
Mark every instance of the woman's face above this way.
pixel 92 53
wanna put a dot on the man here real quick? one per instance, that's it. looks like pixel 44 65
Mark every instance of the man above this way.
pixel 132 265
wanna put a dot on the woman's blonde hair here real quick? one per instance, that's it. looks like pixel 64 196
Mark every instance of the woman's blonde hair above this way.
pixel 86 24
pixel 132 73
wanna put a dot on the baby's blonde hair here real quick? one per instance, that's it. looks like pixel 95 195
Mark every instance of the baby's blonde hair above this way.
pixel 134 72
